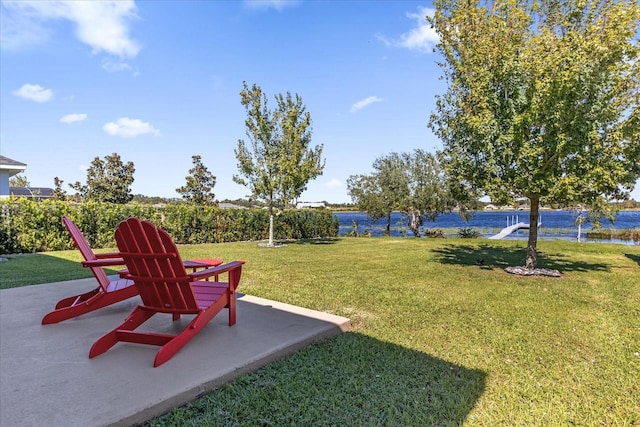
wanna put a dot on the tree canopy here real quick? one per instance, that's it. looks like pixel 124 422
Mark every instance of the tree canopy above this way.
pixel 200 183
pixel 278 162
pixel 19 180
pixel 542 100
pixel 383 191
pixel 58 191
pixel 108 180
pixel 412 183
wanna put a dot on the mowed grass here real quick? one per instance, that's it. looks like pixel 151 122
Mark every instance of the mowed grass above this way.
pixel 438 339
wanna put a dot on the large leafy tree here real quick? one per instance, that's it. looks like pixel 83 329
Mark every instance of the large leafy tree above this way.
pixel 200 183
pixel 542 100
pixel 108 180
pixel 277 162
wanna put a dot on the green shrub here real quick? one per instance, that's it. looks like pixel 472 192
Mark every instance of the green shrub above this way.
pixel 434 233
pixel 34 226
pixel 468 233
pixel 607 234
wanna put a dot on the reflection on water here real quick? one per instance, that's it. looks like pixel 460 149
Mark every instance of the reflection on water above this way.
pixel 554 224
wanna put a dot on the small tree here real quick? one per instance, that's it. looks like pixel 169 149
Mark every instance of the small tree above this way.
pixel 382 192
pixel 58 192
pixel 199 184
pixel 107 181
pixel 278 162
pixel 19 180
pixel 431 192
pixel 366 194
pixel 542 101
pixel 412 183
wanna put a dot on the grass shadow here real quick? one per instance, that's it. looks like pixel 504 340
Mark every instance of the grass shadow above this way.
pixel 39 268
pixel 489 256
pixel 314 241
pixel 351 379
pixel 633 257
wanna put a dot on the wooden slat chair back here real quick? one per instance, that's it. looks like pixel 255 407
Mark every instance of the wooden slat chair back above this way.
pixel 108 292
pixel 154 264
pixel 81 243
pixel 156 267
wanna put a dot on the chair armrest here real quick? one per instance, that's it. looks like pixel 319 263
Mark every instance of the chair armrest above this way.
pixel 215 271
pixel 105 255
pixel 124 274
pixel 102 262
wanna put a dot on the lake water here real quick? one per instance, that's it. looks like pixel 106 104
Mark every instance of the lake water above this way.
pixel 555 224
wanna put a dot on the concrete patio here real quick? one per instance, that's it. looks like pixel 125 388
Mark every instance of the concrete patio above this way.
pixel 47 378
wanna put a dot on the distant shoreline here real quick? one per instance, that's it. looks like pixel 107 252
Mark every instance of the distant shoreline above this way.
pixel 556 224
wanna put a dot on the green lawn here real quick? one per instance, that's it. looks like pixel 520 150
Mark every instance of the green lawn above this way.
pixel 437 339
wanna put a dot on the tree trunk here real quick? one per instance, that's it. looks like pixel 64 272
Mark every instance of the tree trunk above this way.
pixel 579 230
pixel 387 232
pixel 532 245
pixel 270 225
pixel 415 224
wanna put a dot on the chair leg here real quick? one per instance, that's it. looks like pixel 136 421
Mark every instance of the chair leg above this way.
pixel 138 316
pixel 87 303
pixel 232 308
pixel 168 350
pixel 64 312
pixel 76 299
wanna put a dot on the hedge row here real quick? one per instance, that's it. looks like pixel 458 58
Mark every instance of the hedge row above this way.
pixel 36 226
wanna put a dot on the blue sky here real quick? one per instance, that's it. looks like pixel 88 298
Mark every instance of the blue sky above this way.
pixel 159 81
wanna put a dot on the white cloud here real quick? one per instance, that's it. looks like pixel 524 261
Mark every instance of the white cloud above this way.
pixel 129 128
pixel 103 25
pixel 333 183
pixel 270 4
pixel 72 118
pixel 20 30
pixel 115 66
pixel 34 93
pixel 422 38
pixel 363 103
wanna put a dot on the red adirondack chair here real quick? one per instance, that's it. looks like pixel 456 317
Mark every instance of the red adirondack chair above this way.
pixel 108 292
pixel 154 264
